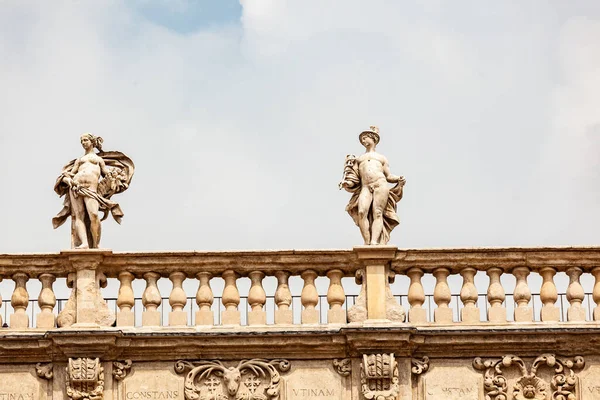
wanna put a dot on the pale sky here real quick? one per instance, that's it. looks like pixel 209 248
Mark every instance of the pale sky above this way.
pixel 239 116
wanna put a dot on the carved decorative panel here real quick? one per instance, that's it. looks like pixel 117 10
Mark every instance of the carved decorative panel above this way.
pixel 85 379
pixel 529 386
pixel 379 377
pixel 256 379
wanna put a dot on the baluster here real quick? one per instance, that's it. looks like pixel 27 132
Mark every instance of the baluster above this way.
pixel 231 299
pixel 469 296
pixel 549 295
pixel 125 300
pixel 283 299
pixel 522 295
pixel 1 303
pixel 177 300
pixel 496 296
pixel 416 297
pixel 310 298
pixel 257 298
pixel 46 301
pixel 442 297
pixel 151 300
pixel 336 297
pixel 204 299
pixel 19 302
pixel 575 295
pixel 595 294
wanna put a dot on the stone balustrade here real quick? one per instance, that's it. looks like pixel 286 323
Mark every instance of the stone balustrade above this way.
pixel 373 267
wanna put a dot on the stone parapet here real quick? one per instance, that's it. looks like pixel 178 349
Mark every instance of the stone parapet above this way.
pixel 374 268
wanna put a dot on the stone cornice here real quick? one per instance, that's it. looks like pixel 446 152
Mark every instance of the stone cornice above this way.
pixel 404 341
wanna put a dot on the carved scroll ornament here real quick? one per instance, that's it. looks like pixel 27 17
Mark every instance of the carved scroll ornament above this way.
pixel 85 379
pixel 44 370
pixel 256 379
pixel 379 377
pixel 530 386
pixel 419 366
pixel 343 366
pixel 121 369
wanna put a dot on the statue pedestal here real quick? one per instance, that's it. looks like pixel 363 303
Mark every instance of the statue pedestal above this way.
pixel 376 301
pixel 86 306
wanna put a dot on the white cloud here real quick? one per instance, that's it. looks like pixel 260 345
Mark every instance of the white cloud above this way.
pixel 239 132
pixel 569 171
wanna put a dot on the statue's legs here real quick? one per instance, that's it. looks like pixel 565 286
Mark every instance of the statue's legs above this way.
pixel 92 207
pixel 380 198
pixel 364 205
pixel 78 215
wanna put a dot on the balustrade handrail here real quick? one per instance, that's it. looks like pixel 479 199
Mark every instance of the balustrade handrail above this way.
pixel 295 261
pixel 506 258
pixel 189 262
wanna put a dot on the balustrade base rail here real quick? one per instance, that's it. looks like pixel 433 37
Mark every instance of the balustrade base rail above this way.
pixel 296 306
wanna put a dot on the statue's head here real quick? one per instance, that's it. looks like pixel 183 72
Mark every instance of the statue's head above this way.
pixel 371 134
pixel 90 141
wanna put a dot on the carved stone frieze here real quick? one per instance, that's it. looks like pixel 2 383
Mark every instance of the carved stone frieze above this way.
pixel 343 366
pixel 529 386
pixel 44 370
pixel 419 366
pixel 256 379
pixel 85 379
pixel 379 377
pixel 121 369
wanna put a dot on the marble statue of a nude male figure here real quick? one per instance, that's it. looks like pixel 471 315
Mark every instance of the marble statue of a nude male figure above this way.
pixel 373 203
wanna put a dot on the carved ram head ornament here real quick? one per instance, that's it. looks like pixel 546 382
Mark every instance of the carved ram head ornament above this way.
pixel 209 379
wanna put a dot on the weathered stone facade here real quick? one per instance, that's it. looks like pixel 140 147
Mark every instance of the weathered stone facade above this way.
pixel 386 354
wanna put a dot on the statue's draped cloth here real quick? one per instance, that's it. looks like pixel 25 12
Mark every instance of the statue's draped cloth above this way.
pixel 121 171
pixel 390 218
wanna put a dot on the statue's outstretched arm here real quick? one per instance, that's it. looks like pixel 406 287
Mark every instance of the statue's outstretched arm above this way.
pixel 389 176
